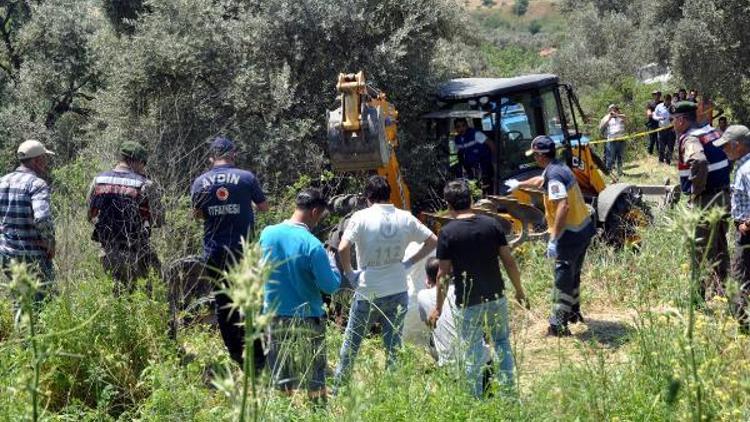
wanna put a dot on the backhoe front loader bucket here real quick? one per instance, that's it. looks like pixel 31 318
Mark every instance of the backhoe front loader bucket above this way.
pixel 365 149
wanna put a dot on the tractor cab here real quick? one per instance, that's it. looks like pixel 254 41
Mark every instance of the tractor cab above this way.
pixel 510 112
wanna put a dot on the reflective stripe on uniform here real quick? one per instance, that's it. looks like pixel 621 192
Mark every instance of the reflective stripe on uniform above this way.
pixel 711 167
pixel 113 180
pixel 466 145
pixel 718 166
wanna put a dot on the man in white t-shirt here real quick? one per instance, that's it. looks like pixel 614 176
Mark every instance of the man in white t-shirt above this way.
pixel 381 234
pixel 613 125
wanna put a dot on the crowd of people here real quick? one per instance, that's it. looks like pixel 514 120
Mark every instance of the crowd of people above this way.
pixel 658 120
pixel 464 302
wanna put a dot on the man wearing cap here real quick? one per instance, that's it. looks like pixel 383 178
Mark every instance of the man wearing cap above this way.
pixel 704 178
pixel 570 229
pixel 613 125
pixel 124 205
pixel 303 271
pixel 27 231
pixel 651 122
pixel 735 142
pixel 223 198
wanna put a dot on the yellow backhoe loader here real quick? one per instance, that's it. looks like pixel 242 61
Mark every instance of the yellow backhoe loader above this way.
pixel 510 112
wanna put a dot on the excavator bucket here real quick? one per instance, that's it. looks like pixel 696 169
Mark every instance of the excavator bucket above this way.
pixel 364 149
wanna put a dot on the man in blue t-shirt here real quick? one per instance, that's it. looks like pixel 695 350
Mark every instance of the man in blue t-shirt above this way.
pixel 223 198
pixel 302 273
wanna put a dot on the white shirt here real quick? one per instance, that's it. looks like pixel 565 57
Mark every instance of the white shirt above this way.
pixel 615 127
pixel 661 115
pixel 381 234
pixel 445 335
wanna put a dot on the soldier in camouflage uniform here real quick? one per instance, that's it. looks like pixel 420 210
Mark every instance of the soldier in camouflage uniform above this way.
pixel 124 205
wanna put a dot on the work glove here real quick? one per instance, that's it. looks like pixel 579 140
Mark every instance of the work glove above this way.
pixel 512 184
pixel 552 248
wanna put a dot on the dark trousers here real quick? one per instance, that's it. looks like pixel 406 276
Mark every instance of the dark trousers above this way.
pixel 613 155
pixel 666 145
pixel 128 264
pixel 712 247
pixel 741 273
pixel 572 248
pixel 228 319
pixel 653 140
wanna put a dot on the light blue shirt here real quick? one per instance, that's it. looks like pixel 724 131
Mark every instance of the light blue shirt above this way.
pixel 302 271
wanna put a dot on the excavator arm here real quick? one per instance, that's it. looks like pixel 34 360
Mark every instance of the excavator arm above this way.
pixel 362 134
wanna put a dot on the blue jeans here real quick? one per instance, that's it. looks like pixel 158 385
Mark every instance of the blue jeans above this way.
pixel 613 153
pixel 473 322
pixel 390 311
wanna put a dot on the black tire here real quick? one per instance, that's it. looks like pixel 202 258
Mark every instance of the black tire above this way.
pixel 628 214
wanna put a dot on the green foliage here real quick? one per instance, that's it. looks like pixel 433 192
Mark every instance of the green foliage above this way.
pixel 520 7
pixel 510 61
pixel 535 27
pixel 104 360
pixel 123 13
pixel 6 318
pixel 488 3
pixel 701 41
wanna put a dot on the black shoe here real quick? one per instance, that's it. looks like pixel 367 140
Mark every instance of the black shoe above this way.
pixel 576 318
pixel 558 331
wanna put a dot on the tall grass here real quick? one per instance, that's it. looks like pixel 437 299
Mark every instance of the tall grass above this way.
pixel 646 353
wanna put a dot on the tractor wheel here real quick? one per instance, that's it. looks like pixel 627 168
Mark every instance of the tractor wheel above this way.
pixel 627 216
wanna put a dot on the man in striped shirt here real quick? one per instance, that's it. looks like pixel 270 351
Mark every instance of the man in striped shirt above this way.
pixel 124 206
pixel 735 142
pixel 27 231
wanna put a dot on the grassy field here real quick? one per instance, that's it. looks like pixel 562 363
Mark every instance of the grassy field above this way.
pixel 642 355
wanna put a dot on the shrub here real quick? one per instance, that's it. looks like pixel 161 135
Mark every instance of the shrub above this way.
pixel 520 7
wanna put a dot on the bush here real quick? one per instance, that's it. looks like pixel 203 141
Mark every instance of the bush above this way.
pixel 520 7
pixel 108 344
pixel 535 27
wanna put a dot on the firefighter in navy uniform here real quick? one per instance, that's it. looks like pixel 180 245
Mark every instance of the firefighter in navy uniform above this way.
pixel 704 177
pixel 124 205
pixel 475 152
pixel 223 197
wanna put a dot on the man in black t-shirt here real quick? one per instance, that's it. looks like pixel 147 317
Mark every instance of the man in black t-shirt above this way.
pixel 468 248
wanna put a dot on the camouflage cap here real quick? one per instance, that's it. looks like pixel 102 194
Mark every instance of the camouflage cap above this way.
pixel 684 107
pixel 133 151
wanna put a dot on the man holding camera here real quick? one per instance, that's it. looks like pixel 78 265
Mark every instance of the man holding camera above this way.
pixel 613 125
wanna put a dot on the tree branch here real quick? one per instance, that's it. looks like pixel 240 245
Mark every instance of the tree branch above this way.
pixel 64 105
